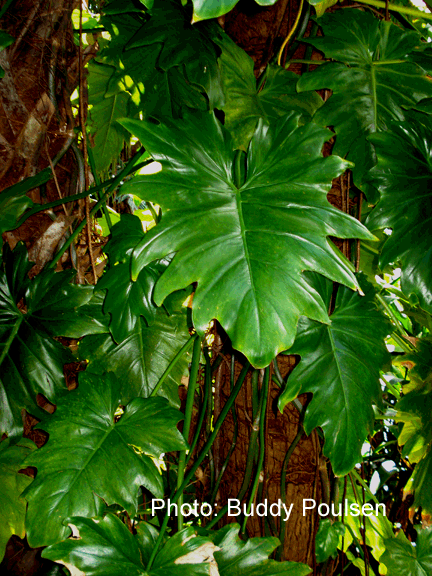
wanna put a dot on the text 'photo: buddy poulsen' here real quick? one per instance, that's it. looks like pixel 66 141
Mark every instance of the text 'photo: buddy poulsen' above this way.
pixel 276 509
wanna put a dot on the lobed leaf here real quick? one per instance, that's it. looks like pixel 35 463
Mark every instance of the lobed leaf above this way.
pixel 402 557
pixel 340 364
pixel 84 441
pixel 31 312
pixel 246 246
pixel 404 177
pixel 371 80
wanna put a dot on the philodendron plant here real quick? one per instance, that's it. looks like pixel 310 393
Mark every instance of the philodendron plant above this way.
pixel 231 223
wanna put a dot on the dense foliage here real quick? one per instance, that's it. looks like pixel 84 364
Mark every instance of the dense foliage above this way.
pixel 227 185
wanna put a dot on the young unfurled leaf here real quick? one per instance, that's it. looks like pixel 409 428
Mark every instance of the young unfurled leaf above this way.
pixel 246 246
pixel 84 442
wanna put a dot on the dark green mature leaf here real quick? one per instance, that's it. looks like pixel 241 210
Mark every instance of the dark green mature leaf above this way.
pixel 174 61
pixel 251 558
pixel 415 409
pixel 31 361
pixel 127 300
pixel 371 81
pixel 404 177
pixel 246 247
pixel 14 202
pixel 12 506
pixel 108 135
pixel 340 364
pixel 327 539
pixel 107 548
pixel 142 357
pixel 402 557
pixel 246 101
pixel 84 442
pixel 421 483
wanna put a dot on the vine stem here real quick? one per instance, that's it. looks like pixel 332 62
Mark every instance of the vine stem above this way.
pixel 263 408
pixel 130 166
pixel 187 419
pixel 207 446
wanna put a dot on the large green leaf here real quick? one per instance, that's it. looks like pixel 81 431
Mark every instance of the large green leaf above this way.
pixel 127 300
pixel 340 364
pixel 86 441
pixel 31 361
pixel 141 358
pixel 14 202
pixel 174 61
pixel 108 135
pixel 246 246
pixel 246 101
pixel 251 558
pixel 402 557
pixel 404 177
pixel 12 506
pixel 107 548
pixel 372 79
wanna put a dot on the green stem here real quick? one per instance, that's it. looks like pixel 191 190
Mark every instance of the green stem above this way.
pixel 11 338
pixel 238 170
pixel 317 62
pixel 5 8
pixel 125 172
pixel 397 8
pixel 207 391
pixel 233 443
pixel 41 207
pixel 200 458
pixel 172 364
pixel 365 486
pixel 96 177
pixel 187 419
pixel 263 401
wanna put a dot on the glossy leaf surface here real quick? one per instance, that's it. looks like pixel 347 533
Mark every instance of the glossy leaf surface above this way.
pixel 84 441
pixel 122 552
pixel 372 79
pixel 251 558
pixel 12 505
pixel 246 246
pixel 340 365
pixel 401 557
pixel 404 177
pixel 246 102
pixel 107 108
pixel 31 361
pixel 327 539
pixel 127 300
pixel 141 358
